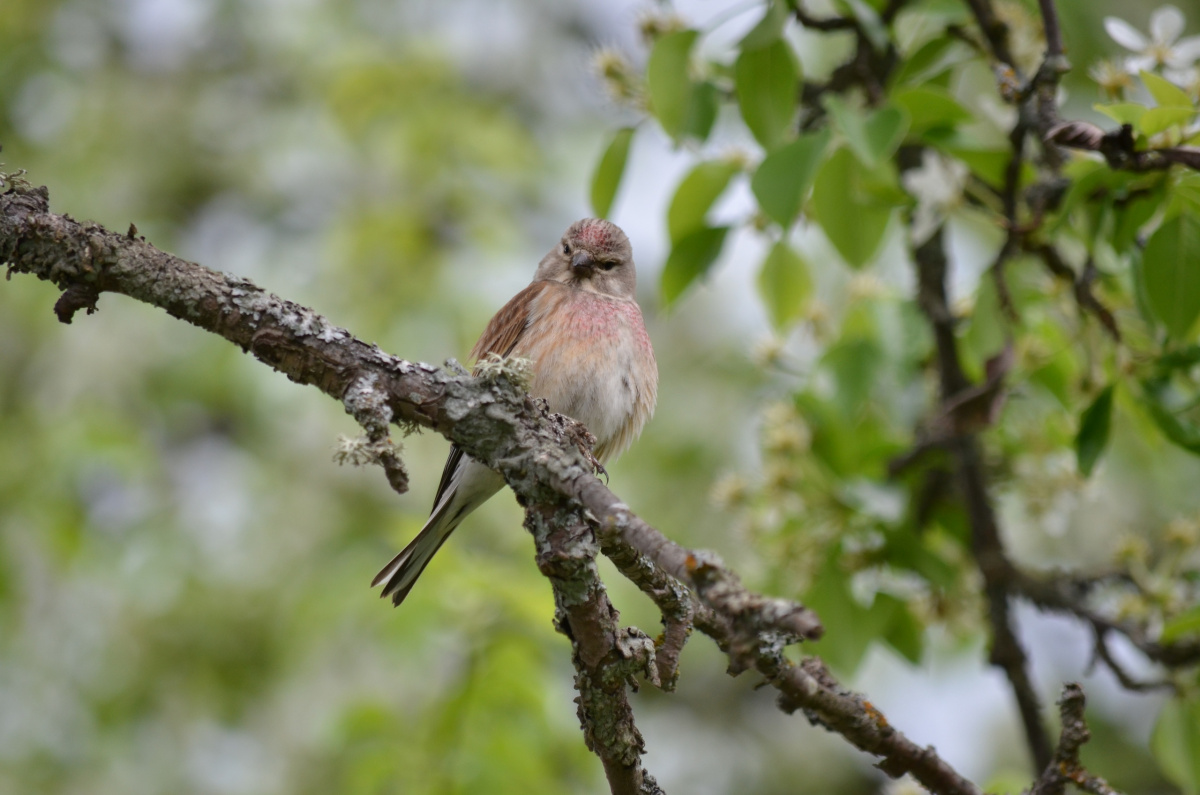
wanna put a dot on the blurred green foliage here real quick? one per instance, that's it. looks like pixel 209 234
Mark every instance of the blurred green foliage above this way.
pixel 183 600
pixel 183 570
pixel 908 138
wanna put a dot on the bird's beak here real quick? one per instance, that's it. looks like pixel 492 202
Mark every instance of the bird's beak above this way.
pixel 582 261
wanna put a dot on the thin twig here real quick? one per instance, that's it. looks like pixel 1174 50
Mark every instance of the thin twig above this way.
pixel 1119 147
pixel 1066 768
pixel 1104 655
pixel 677 604
pixel 994 31
pixel 1081 286
pixel 1054 41
pixel 1006 652
pixel 1069 596
pixel 825 23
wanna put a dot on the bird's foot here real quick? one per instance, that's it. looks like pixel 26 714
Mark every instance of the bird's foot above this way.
pixel 585 441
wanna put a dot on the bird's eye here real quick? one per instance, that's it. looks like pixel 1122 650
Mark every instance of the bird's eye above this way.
pixel 607 264
pixel 566 248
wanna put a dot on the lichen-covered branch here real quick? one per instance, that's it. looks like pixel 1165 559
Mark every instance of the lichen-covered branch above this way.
pixel 1065 767
pixel 808 687
pixel 493 420
pixel 365 403
pixel 606 657
pixel 678 606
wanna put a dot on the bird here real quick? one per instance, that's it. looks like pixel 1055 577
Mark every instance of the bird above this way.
pixel 580 325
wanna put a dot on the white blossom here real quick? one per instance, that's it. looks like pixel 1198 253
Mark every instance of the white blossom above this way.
pixel 1112 77
pixel 1162 48
pixel 938 187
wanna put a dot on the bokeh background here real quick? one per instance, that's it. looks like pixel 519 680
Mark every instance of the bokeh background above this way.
pixel 183 569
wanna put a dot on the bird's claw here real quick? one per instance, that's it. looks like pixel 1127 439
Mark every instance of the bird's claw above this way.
pixel 585 441
pixel 596 465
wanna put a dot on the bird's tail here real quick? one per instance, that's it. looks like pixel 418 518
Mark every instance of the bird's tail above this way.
pixel 467 485
pixel 402 572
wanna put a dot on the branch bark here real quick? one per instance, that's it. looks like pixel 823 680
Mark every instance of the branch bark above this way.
pixel 606 657
pixel 568 508
pixel 1066 768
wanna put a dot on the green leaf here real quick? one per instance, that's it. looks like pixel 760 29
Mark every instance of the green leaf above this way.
pixel 785 284
pixel 1175 743
pixel 696 194
pixel 987 329
pixel 1186 623
pixel 1178 431
pixel 872 138
pixel 930 107
pixel 832 599
pixel 932 59
pixel 1171 273
pixel 855 363
pixel 1155 120
pixel 888 619
pixel 1088 178
pixel 609 171
pixel 768 28
pixel 1186 188
pixel 909 548
pixel 853 222
pixel 690 259
pixel 1178 359
pixel 990 165
pixel 1094 426
pixel 885 131
pixel 701 111
pixel 904 632
pixel 669 84
pixel 1122 112
pixel 784 176
pixel 1166 93
pixel 767 82
pixel 1137 209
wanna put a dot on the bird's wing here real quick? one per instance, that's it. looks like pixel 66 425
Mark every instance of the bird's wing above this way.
pixel 501 336
pixel 505 329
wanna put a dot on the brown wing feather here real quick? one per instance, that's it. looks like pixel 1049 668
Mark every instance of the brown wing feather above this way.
pixel 503 332
pixel 506 328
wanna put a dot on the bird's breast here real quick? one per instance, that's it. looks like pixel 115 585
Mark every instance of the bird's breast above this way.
pixel 593 362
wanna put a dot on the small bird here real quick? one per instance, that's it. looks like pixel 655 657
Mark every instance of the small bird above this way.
pixel 580 325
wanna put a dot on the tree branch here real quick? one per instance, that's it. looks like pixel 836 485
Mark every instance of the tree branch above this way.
pixel 1119 147
pixel 1081 286
pixel 1007 652
pixel 1054 42
pixel 496 423
pixel 993 29
pixel 1102 654
pixel 1062 595
pixel 1065 767
pixel 606 657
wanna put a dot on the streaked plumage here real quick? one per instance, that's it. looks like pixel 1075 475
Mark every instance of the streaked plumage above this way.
pixel 579 323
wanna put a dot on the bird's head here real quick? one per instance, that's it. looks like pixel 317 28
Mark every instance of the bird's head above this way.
pixel 594 255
